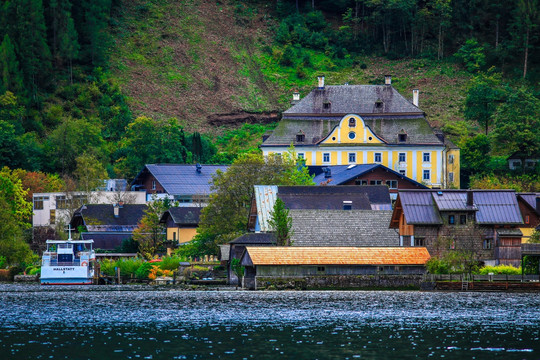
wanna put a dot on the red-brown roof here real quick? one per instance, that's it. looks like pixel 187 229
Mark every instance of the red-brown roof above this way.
pixel 292 255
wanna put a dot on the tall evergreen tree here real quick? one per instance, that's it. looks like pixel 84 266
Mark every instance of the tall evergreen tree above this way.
pixel 11 77
pixel 196 147
pixel 91 18
pixel 34 52
pixel 69 46
pixel 58 16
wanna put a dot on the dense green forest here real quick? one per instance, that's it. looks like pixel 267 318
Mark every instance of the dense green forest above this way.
pixel 66 90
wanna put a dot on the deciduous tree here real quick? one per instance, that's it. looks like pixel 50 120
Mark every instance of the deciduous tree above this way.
pixel 226 215
pixel 517 125
pixel 150 233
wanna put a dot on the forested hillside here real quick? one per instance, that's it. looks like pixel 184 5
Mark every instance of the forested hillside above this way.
pixel 109 85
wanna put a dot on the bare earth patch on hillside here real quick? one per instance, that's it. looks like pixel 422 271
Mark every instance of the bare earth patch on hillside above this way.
pixel 179 59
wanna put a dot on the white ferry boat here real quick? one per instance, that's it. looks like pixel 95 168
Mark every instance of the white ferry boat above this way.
pixel 68 262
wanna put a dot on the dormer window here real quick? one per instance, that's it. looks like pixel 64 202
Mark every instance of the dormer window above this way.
pixel 300 137
pixel 326 105
pixel 402 137
pixel 378 104
pixel 352 122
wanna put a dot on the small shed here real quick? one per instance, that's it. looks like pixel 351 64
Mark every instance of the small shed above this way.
pixel 238 246
pixel 283 262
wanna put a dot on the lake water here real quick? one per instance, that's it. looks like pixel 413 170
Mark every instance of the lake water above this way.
pixel 130 322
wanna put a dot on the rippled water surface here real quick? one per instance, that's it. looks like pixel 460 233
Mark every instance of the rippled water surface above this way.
pixel 142 323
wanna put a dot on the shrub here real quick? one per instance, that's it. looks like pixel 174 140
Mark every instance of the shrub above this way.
pixel 4 275
pixel 472 55
pixel 300 73
pixel 500 269
pixel 107 267
pixel 306 60
pixel 34 271
pixel 3 262
pixel 287 59
pixel 437 266
pixel 15 270
pixel 143 271
pixel 128 267
pixel 170 263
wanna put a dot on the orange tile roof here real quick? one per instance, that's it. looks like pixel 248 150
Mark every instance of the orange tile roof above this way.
pixel 292 255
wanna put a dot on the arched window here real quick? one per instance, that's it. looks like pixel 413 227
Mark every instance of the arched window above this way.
pixel 352 122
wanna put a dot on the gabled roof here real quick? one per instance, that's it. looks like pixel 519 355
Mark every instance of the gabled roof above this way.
pixel 530 200
pixel 419 207
pixel 357 99
pixel 183 215
pixel 265 198
pixel 377 194
pixel 182 179
pixel 342 228
pixel 100 217
pixel 452 201
pixel 291 255
pixel 358 201
pixel 255 238
pixel 343 173
pixel 496 207
pixel 319 197
pixel 387 128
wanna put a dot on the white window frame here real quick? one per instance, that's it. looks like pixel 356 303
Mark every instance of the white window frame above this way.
pixel 324 155
pixel 450 159
pixel 428 173
pixel 301 156
pixel 378 155
pixel 402 155
pixel 403 172
pixel 353 157
pixel 427 156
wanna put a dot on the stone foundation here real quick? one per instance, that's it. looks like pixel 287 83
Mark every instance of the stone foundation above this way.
pixel 322 282
pixel 26 278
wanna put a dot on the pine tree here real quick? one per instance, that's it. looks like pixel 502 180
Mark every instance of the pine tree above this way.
pixel 69 46
pixel 34 52
pixel 281 222
pixel 11 77
pixel 58 14
pixel 196 146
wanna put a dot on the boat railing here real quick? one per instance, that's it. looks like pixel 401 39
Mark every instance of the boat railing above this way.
pixel 55 262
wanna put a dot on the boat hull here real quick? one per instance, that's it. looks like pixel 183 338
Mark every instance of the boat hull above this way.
pixel 66 275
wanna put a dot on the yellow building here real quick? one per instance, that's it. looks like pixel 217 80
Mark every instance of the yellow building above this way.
pixel 181 223
pixel 366 124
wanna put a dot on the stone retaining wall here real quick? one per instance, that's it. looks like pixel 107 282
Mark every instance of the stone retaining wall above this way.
pixel 26 278
pixel 339 282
